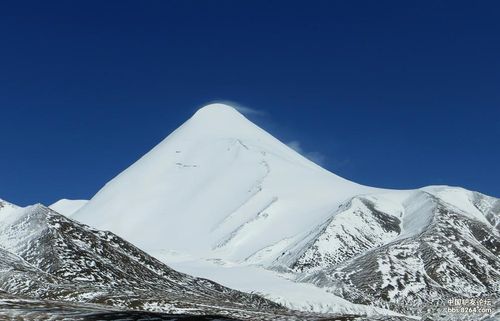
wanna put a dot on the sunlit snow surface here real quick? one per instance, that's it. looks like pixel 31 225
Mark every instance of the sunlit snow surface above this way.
pixel 67 207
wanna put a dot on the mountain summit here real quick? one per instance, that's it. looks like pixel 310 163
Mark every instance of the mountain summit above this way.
pixel 218 185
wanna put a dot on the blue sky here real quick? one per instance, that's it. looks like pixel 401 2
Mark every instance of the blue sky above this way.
pixel 395 94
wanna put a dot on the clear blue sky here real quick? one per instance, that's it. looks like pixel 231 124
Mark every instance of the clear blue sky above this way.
pixel 397 94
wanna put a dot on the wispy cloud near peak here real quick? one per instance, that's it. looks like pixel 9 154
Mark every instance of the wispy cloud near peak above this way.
pixel 245 110
pixel 316 157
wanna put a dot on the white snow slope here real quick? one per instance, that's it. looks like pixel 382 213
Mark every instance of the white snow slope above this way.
pixel 67 207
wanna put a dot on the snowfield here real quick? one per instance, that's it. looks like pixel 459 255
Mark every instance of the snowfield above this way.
pixel 277 287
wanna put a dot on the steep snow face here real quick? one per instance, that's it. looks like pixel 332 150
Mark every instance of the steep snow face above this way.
pixel 219 186
pixel 67 207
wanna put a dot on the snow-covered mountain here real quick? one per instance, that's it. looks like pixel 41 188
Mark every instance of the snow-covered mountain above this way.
pixel 233 186
pixel 437 252
pixel 220 197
